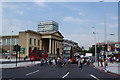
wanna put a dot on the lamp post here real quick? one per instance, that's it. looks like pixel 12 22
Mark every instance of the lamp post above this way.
pixel 112 35
pixel 105 25
pixel 95 44
pixel 11 44
pixel 111 40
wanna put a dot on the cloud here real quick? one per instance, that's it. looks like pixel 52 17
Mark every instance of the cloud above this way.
pixel 20 12
pixel 81 14
pixel 110 25
pixel 77 20
pixel 82 39
pixel 40 3
pixel 11 25
pixel 0 18
pixel 13 6
pixel 114 17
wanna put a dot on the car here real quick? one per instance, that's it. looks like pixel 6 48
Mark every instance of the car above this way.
pixel 118 60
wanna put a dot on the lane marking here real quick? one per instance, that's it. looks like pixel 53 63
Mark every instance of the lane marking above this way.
pixel 94 77
pixel 32 72
pixel 66 74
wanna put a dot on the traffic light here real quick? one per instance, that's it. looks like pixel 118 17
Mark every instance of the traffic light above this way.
pixel 16 48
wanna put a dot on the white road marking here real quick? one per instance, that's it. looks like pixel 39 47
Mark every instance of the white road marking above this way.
pixel 94 77
pixel 66 74
pixel 32 72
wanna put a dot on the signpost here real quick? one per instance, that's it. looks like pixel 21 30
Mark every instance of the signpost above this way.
pixel 22 50
pixel 16 48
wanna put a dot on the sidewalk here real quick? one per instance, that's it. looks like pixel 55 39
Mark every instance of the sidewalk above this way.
pixel 112 67
pixel 12 64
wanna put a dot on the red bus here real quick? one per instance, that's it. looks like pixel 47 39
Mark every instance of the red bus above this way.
pixel 69 52
pixel 38 54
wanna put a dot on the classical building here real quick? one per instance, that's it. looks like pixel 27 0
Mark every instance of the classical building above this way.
pixel 47 26
pixel 49 41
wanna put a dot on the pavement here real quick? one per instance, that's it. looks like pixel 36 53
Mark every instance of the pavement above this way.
pixel 112 67
pixel 11 63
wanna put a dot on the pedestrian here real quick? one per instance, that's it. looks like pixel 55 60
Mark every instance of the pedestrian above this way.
pixel 101 62
pixel 8 57
pixel 88 62
pixel 42 62
pixel 64 61
pixel 105 65
pixel 80 63
pixel 53 62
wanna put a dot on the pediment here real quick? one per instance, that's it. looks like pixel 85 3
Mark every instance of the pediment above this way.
pixel 58 34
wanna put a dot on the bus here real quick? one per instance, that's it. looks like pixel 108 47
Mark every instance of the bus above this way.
pixel 69 52
pixel 38 54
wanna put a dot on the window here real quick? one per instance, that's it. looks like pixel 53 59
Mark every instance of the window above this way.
pixel 13 41
pixel 8 42
pixel 17 41
pixel 4 42
pixel 30 41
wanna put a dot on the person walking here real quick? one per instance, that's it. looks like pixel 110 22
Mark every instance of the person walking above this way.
pixel 53 62
pixel 101 62
pixel 80 63
pixel 105 65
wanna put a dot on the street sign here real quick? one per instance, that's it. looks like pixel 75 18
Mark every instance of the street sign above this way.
pixel 22 50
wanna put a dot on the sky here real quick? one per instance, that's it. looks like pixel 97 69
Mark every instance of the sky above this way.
pixel 76 19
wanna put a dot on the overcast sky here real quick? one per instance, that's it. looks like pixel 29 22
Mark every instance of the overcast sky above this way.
pixel 75 19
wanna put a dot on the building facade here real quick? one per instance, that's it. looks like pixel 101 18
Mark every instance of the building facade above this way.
pixel 112 48
pixel 70 42
pixel 7 42
pixel 47 26
pixel 49 41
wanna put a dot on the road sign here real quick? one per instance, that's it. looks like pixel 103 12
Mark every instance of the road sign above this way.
pixel 22 50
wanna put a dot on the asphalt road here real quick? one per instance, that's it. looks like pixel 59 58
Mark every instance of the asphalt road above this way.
pixel 70 72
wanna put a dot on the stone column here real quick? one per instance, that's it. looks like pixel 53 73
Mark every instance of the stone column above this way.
pixel 40 44
pixel 49 45
pixel 53 46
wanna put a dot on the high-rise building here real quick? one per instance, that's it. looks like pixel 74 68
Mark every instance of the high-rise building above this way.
pixel 47 26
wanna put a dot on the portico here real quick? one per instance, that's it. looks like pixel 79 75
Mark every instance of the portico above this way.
pixel 52 42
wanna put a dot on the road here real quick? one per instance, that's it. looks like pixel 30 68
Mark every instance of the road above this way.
pixel 46 71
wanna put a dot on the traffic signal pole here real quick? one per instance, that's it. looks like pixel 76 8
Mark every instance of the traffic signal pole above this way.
pixel 19 56
pixel 16 57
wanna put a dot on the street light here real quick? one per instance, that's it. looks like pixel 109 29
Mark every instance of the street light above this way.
pixel 95 44
pixel 11 45
pixel 105 25
pixel 111 40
